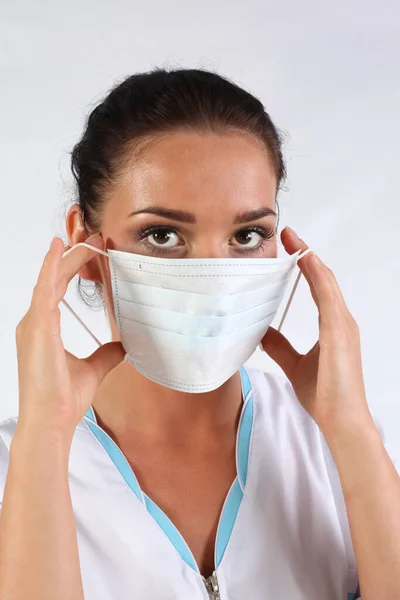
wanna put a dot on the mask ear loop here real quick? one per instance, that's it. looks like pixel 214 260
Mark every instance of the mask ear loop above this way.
pixel 65 303
pixel 85 245
pixel 85 327
pixel 296 283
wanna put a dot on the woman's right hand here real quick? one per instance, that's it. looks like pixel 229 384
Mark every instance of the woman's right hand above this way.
pixel 55 387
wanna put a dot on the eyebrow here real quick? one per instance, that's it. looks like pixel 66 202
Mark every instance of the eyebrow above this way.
pixel 254 215
pixel 187 217
pixel 167 213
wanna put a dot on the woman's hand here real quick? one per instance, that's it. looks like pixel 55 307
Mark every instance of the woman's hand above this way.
pixel 55 387
pixel 328 381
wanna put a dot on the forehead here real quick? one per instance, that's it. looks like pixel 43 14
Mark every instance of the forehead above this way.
pixel 200 171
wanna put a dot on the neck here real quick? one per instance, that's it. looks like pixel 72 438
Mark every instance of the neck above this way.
pixel 129 403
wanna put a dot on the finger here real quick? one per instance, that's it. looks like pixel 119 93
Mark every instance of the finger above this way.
pixel 106 358
pixel 324 287
pixel 48 273
pixel 73 263
pixel 281 351
pixel 291 241
pixel 292 244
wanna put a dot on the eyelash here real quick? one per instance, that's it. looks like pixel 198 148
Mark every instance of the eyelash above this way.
pixel 146 231
pixel 266 233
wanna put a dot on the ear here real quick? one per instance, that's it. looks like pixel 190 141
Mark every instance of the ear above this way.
pixel 77 233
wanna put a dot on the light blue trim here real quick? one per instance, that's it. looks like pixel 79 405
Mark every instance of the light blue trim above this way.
pixel 246 385
pixel 117 457
pixel 90 414
pixel 244 438
pixel 171 532
pixel 235 495
pixel 355 596
pixel 232 501
pixel 228 518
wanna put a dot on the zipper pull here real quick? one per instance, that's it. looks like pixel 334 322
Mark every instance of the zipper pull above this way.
pixel 212 587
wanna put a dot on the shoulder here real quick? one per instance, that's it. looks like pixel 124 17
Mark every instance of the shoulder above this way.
pixel 275 397
pixel 306 470
pixel 287 432
pixel 267 385
pixel 276 402
pixel 293 432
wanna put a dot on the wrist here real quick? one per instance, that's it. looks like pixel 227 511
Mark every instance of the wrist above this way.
pixel 57 424
pixel 41 438
pixel 344 434
pixel 340 423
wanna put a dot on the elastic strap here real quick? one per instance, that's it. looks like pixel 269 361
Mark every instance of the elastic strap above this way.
pixel 85 245
pixel 296 283
pixel 85 327
pixel 71 310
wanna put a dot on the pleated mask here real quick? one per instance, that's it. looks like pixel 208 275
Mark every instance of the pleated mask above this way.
pixel 190 324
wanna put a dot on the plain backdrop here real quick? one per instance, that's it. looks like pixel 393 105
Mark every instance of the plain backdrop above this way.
pixel 328 73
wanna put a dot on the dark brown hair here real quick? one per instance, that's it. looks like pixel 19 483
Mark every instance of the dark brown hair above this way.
pixel 147 104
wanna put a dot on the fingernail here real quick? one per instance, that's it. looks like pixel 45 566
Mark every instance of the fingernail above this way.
pixel 53 241
pixel 293 232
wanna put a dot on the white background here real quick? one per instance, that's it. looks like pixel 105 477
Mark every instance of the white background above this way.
pixel 328 73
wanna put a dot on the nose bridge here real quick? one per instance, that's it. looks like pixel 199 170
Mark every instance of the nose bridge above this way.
pixel 210 246
pixel 210 239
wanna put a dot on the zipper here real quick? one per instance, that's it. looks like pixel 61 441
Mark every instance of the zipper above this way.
pixel 211 583
pixel 212 587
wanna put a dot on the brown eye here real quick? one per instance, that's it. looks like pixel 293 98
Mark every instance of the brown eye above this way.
pixel 163 237
pixel 248 238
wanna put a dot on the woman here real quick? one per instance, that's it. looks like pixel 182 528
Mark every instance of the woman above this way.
pixel 184 476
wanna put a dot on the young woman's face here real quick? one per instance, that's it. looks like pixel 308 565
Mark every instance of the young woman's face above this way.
pixel 188 195
pixel 193 195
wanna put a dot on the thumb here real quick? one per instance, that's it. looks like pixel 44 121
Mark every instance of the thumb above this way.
pixel 106 358
pixel 280 350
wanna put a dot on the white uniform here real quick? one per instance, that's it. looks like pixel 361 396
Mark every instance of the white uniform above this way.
pixel 283 532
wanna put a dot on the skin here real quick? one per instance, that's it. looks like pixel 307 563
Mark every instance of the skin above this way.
pixel 181 446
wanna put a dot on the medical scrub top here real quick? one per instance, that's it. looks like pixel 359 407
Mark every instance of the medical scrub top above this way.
pixel 283 531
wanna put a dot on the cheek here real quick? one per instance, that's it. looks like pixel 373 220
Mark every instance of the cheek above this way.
pixel 107 293
pixel 105 280
pixel 274 248
pixel 271 248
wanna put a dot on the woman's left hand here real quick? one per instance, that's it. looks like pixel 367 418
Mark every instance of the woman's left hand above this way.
pixel 328 380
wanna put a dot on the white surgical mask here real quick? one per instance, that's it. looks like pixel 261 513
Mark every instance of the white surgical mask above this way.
pixel 190 324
